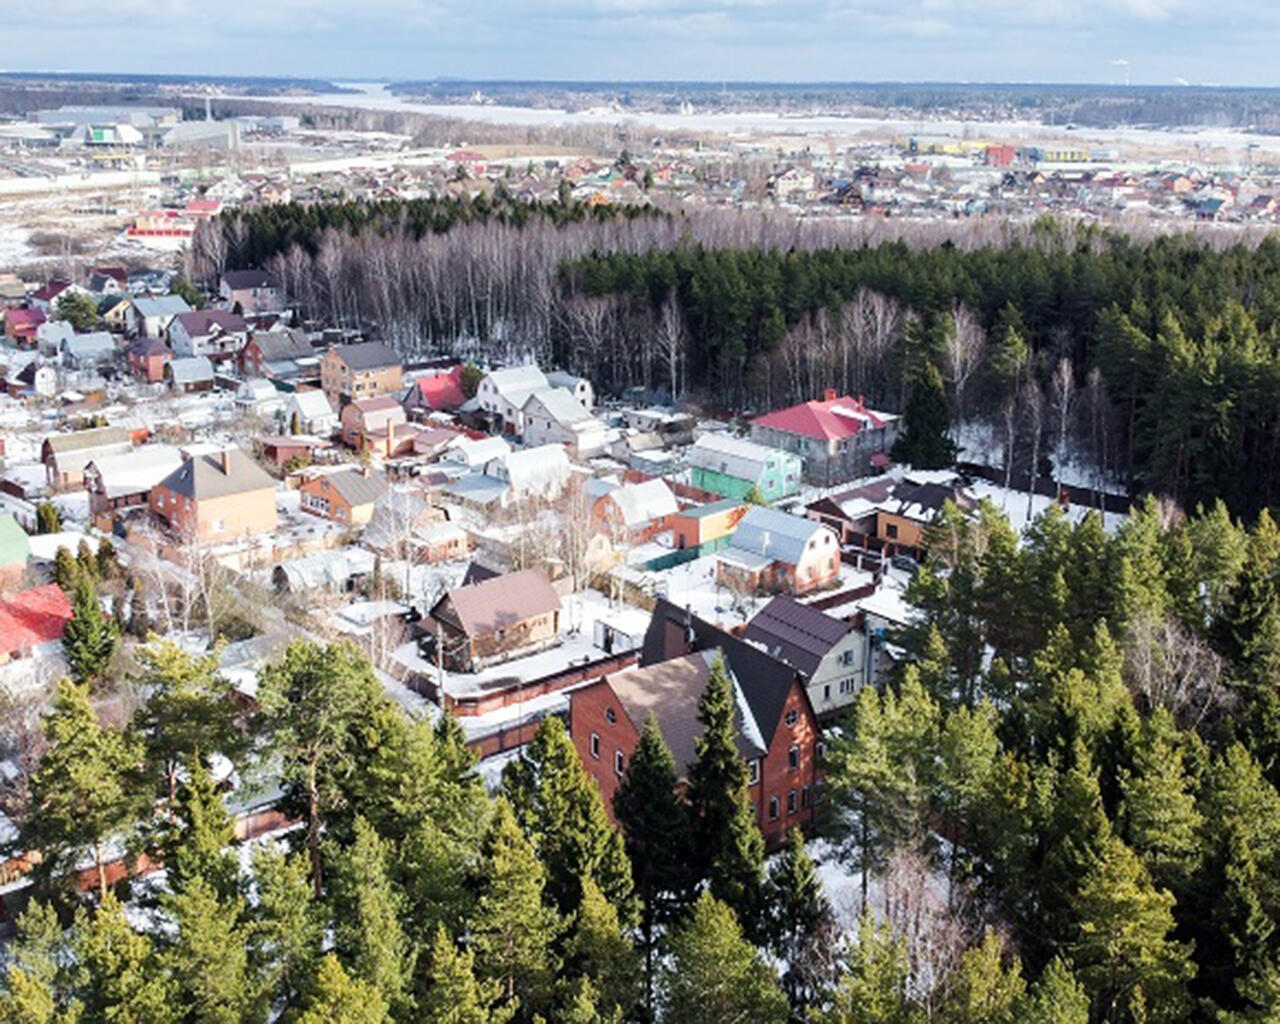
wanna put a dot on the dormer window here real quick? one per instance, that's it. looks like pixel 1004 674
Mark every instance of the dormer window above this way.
pixel 610 716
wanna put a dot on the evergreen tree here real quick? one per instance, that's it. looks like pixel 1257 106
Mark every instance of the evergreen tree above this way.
pixel 118 976
pixel 286 930
pixel 207 961
pixel 455 995
pixel 802 929
pixel 367 935
pixel 1123 954
pixel 87 560
pixel 985 990
pixel 655 821
pixel 79 792
pixel 312 699
pixel 1055 998
pixel 558 804
pixel 188 709
pixel 90 637
pixel 925 441
pixel 48 518
pixel 512 930
pixel 139 623
pixel 198 850
pixel 715 976
pixel 727 839
pixel 582 1006
pixel 875 987
pixel 341 999
pixel 107 562
pixel 66 570
pixel 600 952
pixel 37 985
pixel 26 999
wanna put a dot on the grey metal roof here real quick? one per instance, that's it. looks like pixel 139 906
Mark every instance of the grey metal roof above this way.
pixel 191 370
pixel 798 634
pixel 560 405
pixel 368 355
pixel 203 476
pixel 721 453
pixel 357 488
pixel 777 536
pixel 161 305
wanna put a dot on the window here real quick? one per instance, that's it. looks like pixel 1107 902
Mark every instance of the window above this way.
pixel 804 798
pixel 753 772
pixel 847 657
pixel 793 716
pixel 610 715
pixel 619 762
pixel 595 745
pixel 891 530
pixel 791 801
pixel 793 758
pixel 826 692
pixel 773 808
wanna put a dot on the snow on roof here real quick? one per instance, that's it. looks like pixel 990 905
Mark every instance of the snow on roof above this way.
pixel 642 503
pixel 473 453
pixel 540 470
pixel 516 383
pixel 772 536
pixel 560 405
pixel 828 420
pixel 312 403
pixel 135 471
pixel 739 458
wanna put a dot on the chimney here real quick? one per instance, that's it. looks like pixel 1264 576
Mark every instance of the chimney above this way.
pixel 829 395
pixel 224 457
pixel 391 433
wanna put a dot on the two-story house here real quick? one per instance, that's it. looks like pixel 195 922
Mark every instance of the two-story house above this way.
pixel 778 553
pixel 732 468
pixel 346 496
pixel 350 373
pixel 253 291
pixel 214 334
pixel 838 438
pixel 216 497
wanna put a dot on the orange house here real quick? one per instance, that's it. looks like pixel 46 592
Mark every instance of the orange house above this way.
pixel 216 498
pixel 346 497
pixel 706 524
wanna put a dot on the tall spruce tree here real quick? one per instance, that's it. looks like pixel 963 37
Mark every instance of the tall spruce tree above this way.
pixel 655 821
pixel 199 847
pixel 207 961
pixel 600 952
pixel 79 796
pixel 455 996
pixel 875 983
pixel 802 929
pixel 286 928
pixel 118 976
pixel 558 804
pixel 715 976
pixel 1055 998
pixel 988 988
pixel 727 838
pixel 90 637
pixel 513 932
pixel 925 441
pixel 342 999
pixel 66 570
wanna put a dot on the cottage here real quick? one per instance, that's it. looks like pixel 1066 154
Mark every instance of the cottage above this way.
pixel 777 728
pixel 284 355
pixel 441 392
pixel 707 528
pixel 147 357
pixel 117 315
pixel 125 481
pixel 346 496
pixel 154 314
pixel 216 497
pixel 52 335
pixel 831 656
pixel 469 453
pixel 189 375
pixel 367 421
pixel 250 292
pixel 65 456
pixel 734 468
pixel 21 325
pixel 774 552
pixel 213 333
pixel 838 438
pixel 36 378
pixel 554 416
pixel 281 449
pixel 310 412
pixel 579 387
pixel 495 621
pixel 259 397
pixel 636 513
pixel 531 473
pixel 352 373
pixel 501 395
pixel 89 351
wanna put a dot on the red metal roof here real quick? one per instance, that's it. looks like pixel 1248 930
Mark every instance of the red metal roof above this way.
pixel 828 420
pixel 32 617
pixel 29 318
pixel 50 291
pixel 443 391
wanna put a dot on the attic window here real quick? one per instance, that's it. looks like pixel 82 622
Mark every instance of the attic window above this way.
pixel 793 716
pixel 610 716
pixel 753 772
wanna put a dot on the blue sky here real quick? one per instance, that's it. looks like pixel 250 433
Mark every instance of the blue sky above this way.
pixel 1230 42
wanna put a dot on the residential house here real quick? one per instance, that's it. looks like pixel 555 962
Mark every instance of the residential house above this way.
pixel 52 335
pixel 828 653
pixel 283 355
pixel 888 512
pixel 104 281
pixel 636 513
pixel 774 552
pixel 399 519
pixel 125 481
pixel 495 621
pixel 146 358
pixel 36 378
pixel 531 473
pixel 441 392
pixel 117 315
pixel 92 351
pixel 369 420
pixel 346 496
pixel 154 314
pixel 554 416
pixel 213 333
pixel 579 387
pixel 281 449
pixel 706 528
pixel 189 375
pixel 501 395
pixel 469 453
pixel 15 549
pixel 838 438
pixel 259 397
pixel 776 725
pixel 352 373
pixel 734 468
pixel 13 293
pixel 216 497
pixel 251 292
pixel 310 412
pixel 44 297
pixel 20 326
pixel 65 456
pixel 32 623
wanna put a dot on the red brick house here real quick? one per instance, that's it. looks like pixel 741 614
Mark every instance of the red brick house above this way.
pixel 777 729
pixel 147 358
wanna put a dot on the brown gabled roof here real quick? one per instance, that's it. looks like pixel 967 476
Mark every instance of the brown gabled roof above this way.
pixel 203 476
pixel 499 603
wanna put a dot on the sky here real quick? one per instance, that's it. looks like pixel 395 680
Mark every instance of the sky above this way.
pixel 1229 42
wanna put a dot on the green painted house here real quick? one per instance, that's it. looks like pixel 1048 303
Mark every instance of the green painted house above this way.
pixel 15 548
pixel 731 467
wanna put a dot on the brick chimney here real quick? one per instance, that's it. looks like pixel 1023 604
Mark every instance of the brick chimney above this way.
pixel 829 395
pixel 224 457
